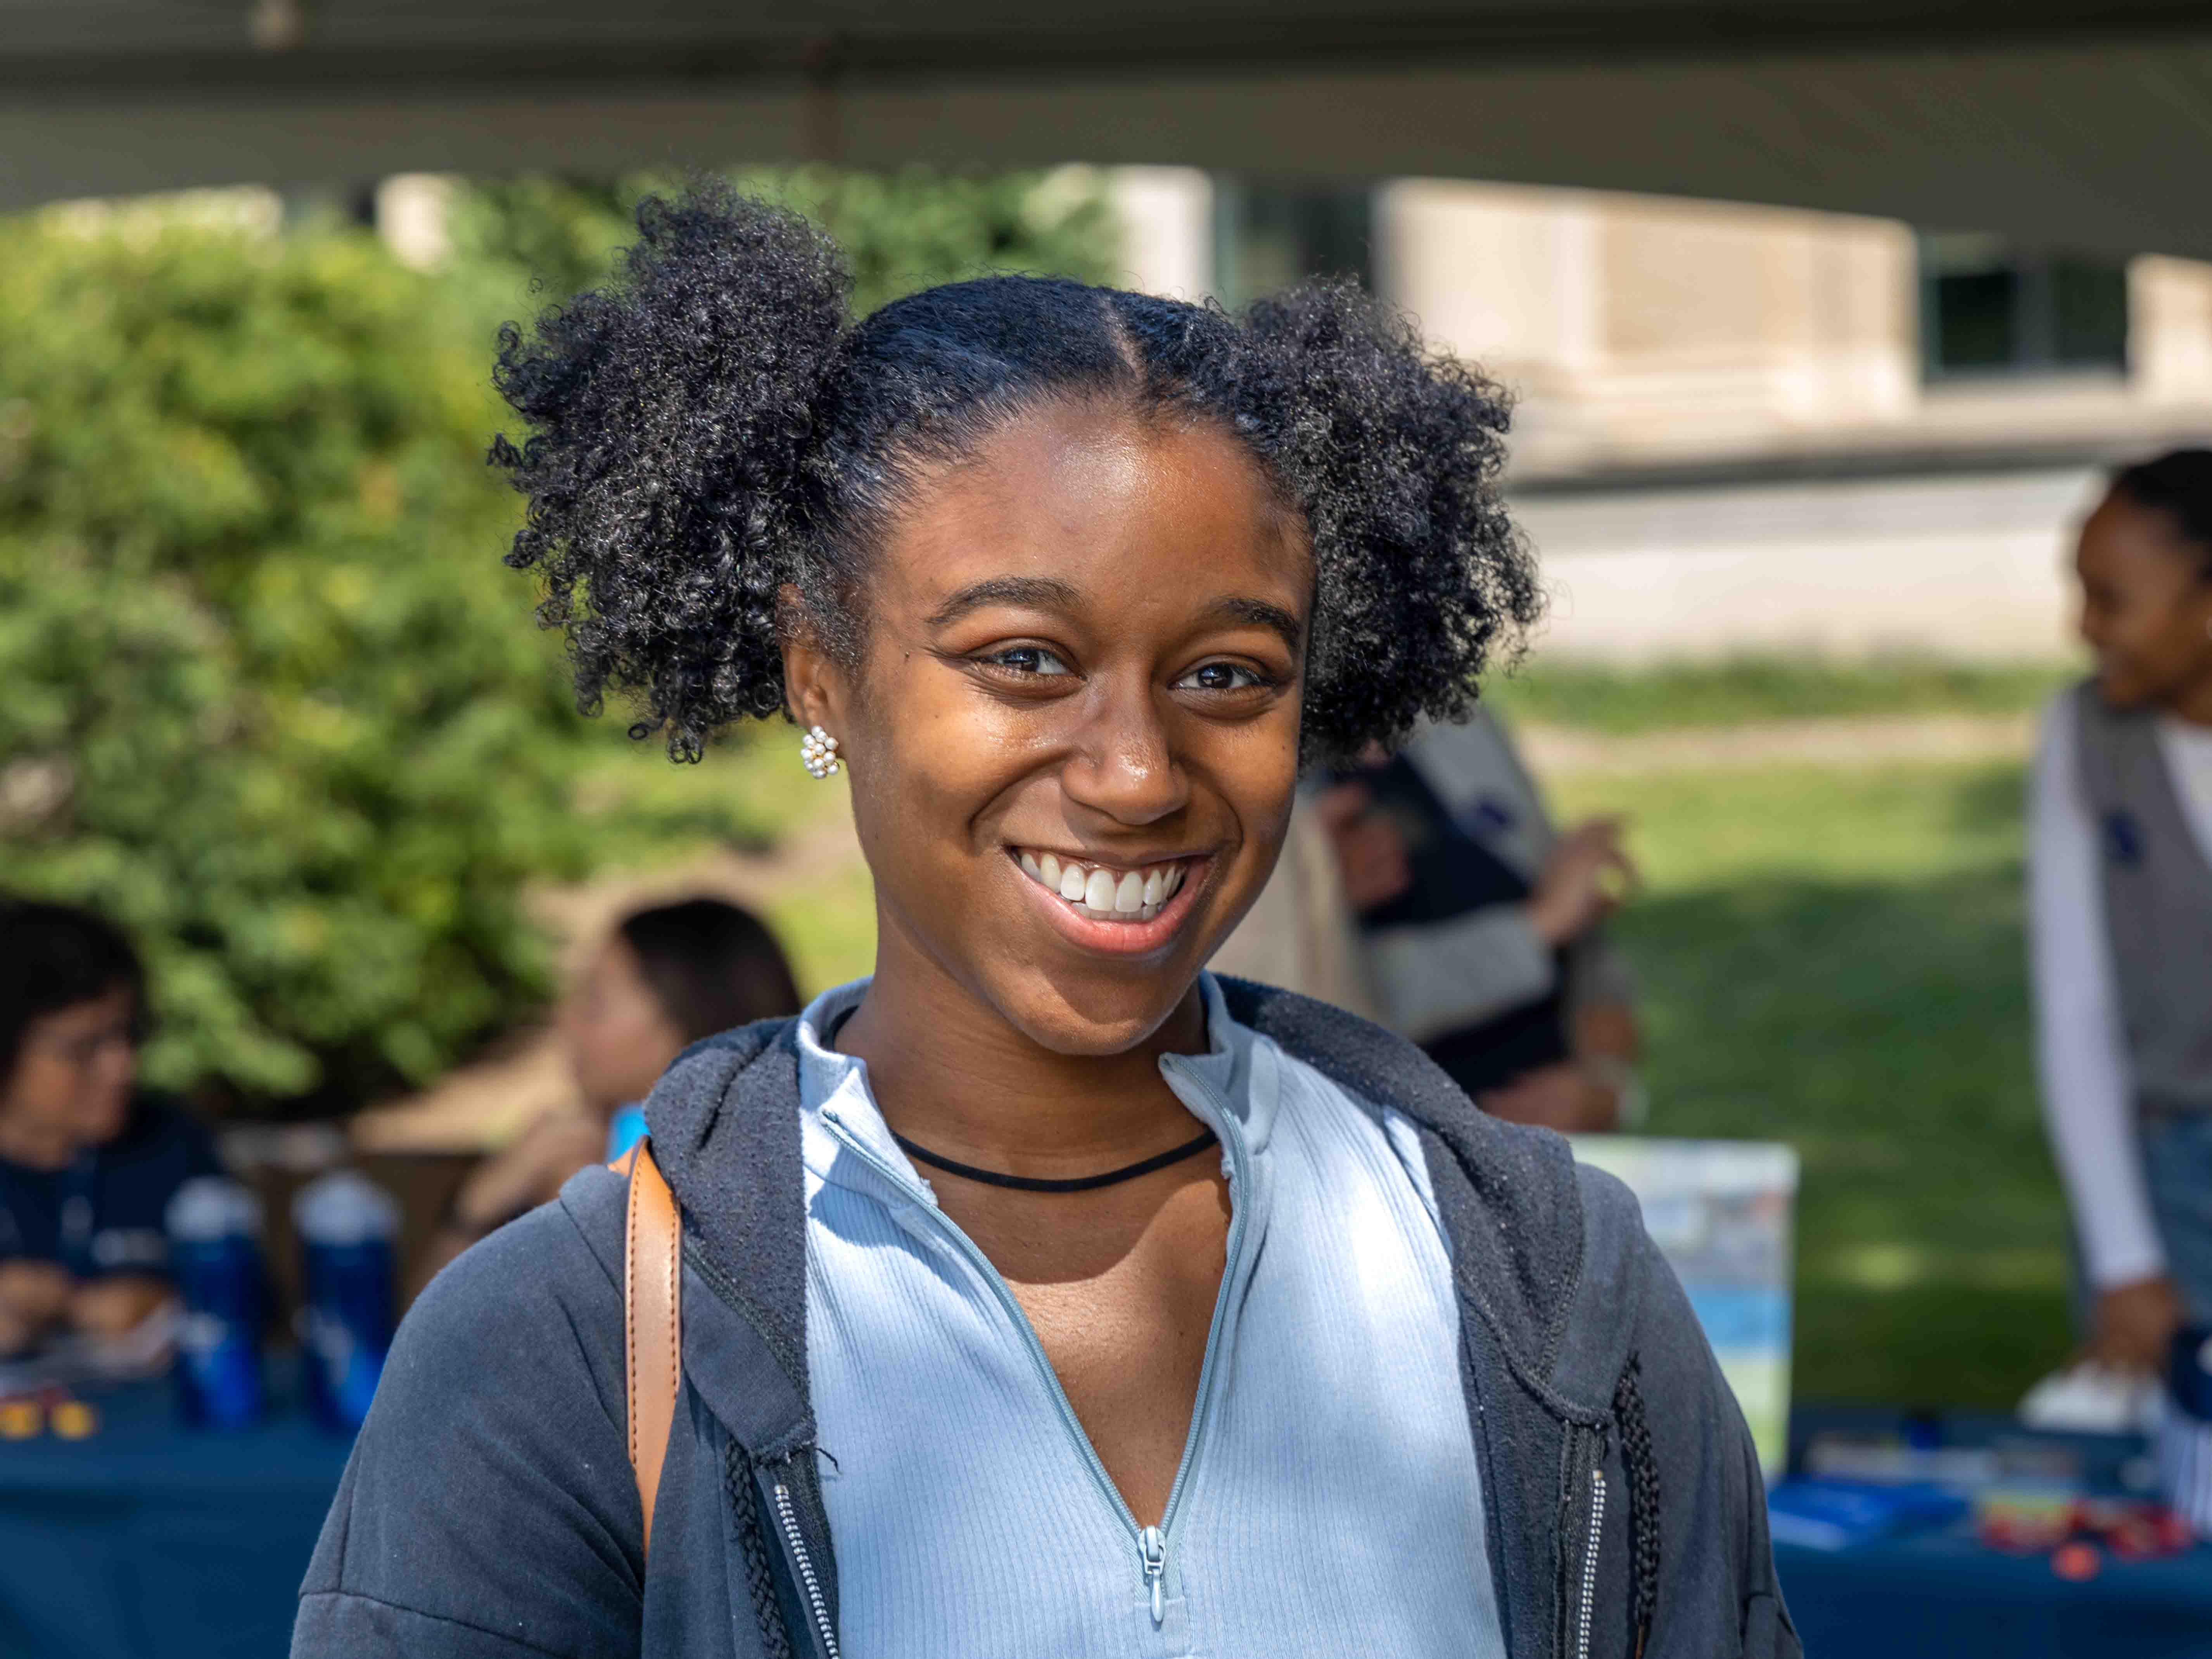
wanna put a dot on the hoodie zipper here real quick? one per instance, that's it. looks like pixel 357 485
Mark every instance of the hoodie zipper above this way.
pixel 1152 1542
pixel 1590 1565
pixel 787 1521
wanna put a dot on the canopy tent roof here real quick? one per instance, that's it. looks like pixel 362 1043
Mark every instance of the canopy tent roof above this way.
pixel 2062 122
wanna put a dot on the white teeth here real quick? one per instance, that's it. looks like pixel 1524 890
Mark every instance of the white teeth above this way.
pixel 1135 895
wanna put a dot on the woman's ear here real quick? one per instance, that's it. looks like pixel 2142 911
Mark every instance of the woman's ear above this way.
pixel 813 685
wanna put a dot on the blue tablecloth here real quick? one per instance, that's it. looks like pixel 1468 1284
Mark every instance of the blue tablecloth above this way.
pixel 1946 1595
pixel 151 1541
pixel 1941 1592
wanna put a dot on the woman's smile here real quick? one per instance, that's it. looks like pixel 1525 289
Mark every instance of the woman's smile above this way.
pixel 1108 892
pixel 1119 910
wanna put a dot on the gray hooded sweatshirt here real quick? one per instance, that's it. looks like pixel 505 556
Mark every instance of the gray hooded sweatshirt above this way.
pixel 488 1510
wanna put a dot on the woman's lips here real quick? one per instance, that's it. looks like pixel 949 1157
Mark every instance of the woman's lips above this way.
pixel 1105 892
pixel 1140 931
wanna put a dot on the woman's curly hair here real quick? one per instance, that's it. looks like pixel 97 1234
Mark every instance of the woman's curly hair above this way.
pixel 714 427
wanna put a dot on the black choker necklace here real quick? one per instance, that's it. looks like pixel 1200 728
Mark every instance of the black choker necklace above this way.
pixel 1033 1184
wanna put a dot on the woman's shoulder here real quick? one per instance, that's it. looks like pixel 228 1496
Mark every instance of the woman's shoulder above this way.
pixel 514 1352
pixel 2060 716
pixel 491 1488
pixel 555 1271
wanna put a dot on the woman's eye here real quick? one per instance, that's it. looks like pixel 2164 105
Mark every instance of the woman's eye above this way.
pixel 1220 677
pixel 1030 659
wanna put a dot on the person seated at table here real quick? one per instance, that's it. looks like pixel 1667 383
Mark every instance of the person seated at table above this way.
pixel 664 978
pixel 1481 926
pixel 2120 913
pixel 89 1161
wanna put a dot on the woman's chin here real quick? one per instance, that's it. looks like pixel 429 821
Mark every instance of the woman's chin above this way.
pixel 1083 1017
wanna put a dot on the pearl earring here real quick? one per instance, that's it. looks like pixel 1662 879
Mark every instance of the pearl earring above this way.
pixel 819 750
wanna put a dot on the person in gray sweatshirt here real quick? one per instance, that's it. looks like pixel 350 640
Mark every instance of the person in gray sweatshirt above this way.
pixel 1042 1293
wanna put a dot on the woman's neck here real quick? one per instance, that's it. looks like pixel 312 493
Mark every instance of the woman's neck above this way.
pixel 952 1073
pixel 2192 703
pixel 34 1145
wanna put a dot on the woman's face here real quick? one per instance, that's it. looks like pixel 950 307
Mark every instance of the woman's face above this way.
pixel 73 1078
pixel 619 1038
pixel 2146 606
pixel 1073 737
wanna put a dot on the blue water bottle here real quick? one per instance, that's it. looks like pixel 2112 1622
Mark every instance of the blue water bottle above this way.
pixel 346 1226
pixel 214 1252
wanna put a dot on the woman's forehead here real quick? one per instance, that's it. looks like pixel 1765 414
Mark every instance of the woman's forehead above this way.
pixel 1078 506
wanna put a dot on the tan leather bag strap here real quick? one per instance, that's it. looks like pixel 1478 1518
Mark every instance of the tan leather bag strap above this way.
pixel 652 1320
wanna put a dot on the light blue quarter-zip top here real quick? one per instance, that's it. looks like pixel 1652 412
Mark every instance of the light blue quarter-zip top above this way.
pixel 1327 1500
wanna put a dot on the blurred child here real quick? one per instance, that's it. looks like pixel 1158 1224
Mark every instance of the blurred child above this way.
pixel 664 979
pixel 87 1161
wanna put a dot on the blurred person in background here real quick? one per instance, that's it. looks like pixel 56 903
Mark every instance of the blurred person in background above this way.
pixel 1300 934
pixel 1482 926
pixel 664 978
pixel 88 1160
pixel 2120 913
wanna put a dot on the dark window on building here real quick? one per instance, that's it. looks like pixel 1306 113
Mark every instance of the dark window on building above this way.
pixel 1988 307
pixel 1267 236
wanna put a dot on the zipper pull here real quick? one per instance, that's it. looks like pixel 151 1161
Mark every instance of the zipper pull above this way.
pixel 1154 1549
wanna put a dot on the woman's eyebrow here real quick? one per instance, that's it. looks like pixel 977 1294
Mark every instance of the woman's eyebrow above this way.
pixel 1260 614
pixel 1038 592
pixel 1050 594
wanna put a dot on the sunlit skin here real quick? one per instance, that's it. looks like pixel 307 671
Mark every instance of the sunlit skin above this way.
pixel 2147 613
pixel 1086 639
pixel 70 1088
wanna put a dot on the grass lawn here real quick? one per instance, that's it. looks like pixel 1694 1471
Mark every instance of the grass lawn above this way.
pixel 1833 958
pixel 1734 691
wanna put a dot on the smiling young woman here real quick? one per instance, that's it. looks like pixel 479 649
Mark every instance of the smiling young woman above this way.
pixel 1045 1294
pixel 2120 913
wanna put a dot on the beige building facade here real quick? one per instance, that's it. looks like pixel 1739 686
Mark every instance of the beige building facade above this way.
pixel 1749 429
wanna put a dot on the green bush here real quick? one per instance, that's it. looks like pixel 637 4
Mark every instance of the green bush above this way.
pixel 271 699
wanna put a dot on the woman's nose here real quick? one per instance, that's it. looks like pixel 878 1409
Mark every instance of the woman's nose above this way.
pixel 1124 765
